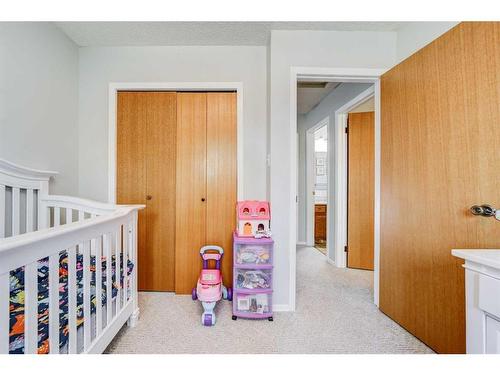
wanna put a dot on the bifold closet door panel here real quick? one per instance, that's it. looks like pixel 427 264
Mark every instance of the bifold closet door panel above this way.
pixel 146 148
pixel 221 175
pixel 131 164
pixel 190 234
pixel 161 124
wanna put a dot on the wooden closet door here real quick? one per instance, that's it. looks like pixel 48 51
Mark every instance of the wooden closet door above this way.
pixel 361 193
pixel 191 206
pixel 131 164
pixel 440 129
pixel 221 176
pixel 161 151
pixel 146 147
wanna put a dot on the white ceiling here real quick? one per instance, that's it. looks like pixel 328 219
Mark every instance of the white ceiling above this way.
pixel 308 98
pixel 199 33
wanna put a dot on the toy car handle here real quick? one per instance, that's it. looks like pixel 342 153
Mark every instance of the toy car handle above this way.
pixel 219 249
pixel 211 256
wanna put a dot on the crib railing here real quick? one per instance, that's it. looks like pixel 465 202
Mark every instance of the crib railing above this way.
pixel 83 230
pixel 60 209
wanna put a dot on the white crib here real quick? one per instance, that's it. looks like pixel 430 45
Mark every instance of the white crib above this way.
pixel 36 226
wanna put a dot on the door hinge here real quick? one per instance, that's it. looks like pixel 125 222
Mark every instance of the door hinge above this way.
pixel 345 248
pixel 346 130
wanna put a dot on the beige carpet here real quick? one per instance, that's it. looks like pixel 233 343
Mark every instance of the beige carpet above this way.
pixel 335 314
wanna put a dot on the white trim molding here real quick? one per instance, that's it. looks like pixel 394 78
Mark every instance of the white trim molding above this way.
pixel 353 75
pixel 115 87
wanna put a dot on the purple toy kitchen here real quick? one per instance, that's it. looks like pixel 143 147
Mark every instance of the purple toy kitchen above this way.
pixel 253 262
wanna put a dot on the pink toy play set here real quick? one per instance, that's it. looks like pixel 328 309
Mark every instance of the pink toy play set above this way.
pixel 253 219
pixel 210 289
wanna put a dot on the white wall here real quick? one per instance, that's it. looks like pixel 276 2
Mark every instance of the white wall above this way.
pixel 326 108
pixel 100 66
pixel 416 35
pixel 39 99
pixel 306 48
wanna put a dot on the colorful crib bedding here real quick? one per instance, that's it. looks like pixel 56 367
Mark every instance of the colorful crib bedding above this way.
pixel 16 342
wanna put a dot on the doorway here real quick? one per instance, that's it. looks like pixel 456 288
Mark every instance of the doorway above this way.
pixel 337 215
pixel 317 156
pixel 320 188
pixel 355 104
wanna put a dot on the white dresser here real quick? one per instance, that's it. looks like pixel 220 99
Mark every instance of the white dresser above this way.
pixel 482 299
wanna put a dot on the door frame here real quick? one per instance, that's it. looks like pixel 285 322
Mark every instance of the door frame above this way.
pixel 310 166
pixel 115 87
pixel 359 75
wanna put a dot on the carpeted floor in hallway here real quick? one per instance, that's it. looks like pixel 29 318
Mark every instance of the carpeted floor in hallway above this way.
pixel 335 314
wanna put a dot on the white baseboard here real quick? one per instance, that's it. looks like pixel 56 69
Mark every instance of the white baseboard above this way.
pixel 301 243
pixel 278 307
pixel 328 260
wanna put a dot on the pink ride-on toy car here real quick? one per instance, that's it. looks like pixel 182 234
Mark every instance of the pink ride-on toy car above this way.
pixel 209 289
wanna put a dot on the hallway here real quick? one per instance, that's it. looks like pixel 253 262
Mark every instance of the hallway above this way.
pixel 335 314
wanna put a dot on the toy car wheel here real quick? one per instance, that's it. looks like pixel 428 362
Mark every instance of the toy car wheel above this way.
pixel 194 296
pixel 229 294
pixel 207 320
pixel 234 317
pixel 270 319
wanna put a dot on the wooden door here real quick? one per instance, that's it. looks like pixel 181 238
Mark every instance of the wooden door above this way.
pixel 221 176
pixel 131 165
pixel 439 155
pixel 146 139
pixel 191 203
pixel 361 193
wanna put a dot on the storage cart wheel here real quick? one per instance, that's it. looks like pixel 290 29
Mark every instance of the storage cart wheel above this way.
pixel 194 296
pixel 234 317
pixel 270 319
pixel 229 294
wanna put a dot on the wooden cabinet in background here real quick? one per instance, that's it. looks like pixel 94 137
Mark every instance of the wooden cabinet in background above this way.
pixel 320 223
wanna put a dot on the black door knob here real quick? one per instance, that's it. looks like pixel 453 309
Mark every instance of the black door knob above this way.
pixel 203 199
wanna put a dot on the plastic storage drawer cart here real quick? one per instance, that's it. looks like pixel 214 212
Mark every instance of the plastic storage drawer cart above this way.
pixel 253 278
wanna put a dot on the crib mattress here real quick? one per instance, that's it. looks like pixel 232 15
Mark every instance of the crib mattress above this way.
pixel 16 307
